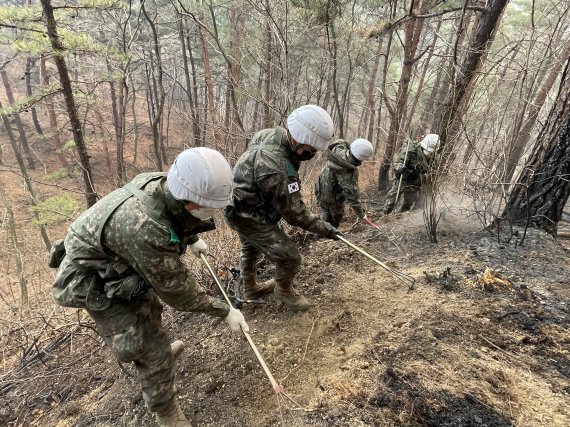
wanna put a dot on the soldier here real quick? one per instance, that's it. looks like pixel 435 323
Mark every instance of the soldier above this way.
pixel 338 182
pixel 413 161
pixel 266 189
pixel 124 253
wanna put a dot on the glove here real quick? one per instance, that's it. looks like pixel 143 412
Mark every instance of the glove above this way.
pixel 236 321
pixel 331 232
pixel 200 247
pixel 399 169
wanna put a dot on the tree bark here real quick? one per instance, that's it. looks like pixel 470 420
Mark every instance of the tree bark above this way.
pixel 267 121
pixel 29 92
pixel 16 246
pixel 539 197
pixel 209 85
pixel 191 103
pixel 452 110
pixel 24 172
pixel 421 81
pixel 523 135
pixel 23 139
pixel 58 50
pixel 55 140
pixel 412 29
pixel 371 100
pixel 159 92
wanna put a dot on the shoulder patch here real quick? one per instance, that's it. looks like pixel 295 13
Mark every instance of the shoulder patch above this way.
pixel 174 239
pixel 291 170
pixel 293 187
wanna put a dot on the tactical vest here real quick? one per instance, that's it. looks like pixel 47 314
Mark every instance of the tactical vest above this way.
pixel 92 287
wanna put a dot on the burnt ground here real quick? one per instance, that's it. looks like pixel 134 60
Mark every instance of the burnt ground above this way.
pixel 462 348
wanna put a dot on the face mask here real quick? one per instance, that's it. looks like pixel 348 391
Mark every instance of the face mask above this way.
pixel 306 155
pixel 203 213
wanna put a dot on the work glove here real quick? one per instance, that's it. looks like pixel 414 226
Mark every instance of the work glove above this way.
pixel 331 232
pixel 399 169
pixel 236 321
pixel 200 247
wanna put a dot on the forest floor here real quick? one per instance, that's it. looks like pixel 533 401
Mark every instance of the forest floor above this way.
pixel 482 339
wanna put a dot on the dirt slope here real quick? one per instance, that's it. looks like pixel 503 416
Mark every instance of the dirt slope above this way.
pixel 451 352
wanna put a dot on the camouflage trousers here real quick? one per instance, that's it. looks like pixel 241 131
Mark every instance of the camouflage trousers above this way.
pixel 133 331
pixel 332 213
pixel 269 239
pixel 409 191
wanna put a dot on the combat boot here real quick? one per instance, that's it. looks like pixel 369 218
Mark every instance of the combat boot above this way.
pixel 177 347
pixel 252 290
pixel 170 415
pixel 289 296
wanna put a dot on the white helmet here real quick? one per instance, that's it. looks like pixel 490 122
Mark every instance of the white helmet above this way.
pixel 429 143
pixel 311 125
pixel 202 176
pixel 361 149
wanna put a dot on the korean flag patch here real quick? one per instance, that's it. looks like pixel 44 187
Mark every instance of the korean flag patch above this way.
pixel 293 187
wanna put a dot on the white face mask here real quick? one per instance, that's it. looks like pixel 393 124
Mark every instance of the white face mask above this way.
pixel 203 213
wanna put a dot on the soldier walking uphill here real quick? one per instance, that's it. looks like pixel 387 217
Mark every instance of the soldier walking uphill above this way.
pixel 338 182
pixel 123 254
pixel 412 163
pixel 266 189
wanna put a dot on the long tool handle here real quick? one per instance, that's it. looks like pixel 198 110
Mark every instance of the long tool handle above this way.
pixel 408 280
pixel 278 389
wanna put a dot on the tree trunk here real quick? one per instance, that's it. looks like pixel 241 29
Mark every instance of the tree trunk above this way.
pixel 421 82
pixel 539 197
pixel 29 63
pixel 209 84
pixel 114 108
pixel 16 247
pixel 23 139
pixel 371 101
pixel 104 142
pixel 191 104
pixel 449 66
pixel 267 121
pixel 452 110
pixel 135 125
pixel 333 49
pixel 55 140
pixel 412 29
pixel 58 49
pixel 200 141
pixel 27 180
pixel 159 92
pixel 523 135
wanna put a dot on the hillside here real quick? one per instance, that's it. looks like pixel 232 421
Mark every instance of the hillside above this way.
pixel 453 351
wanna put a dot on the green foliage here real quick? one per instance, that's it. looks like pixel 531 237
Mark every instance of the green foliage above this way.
pixel 56 209
pixel 16 15
pixel 104 4
pixel 58 174
pixel 68 146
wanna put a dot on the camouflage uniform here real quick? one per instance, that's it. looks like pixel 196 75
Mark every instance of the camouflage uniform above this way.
pixel 121 256
pixel 338 183
pixel 266 189
pixel 416 165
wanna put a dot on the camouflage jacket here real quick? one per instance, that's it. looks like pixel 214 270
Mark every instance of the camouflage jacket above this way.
pixel 267 185
pixel 338 182
pixel 121 231
pixel 416 163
